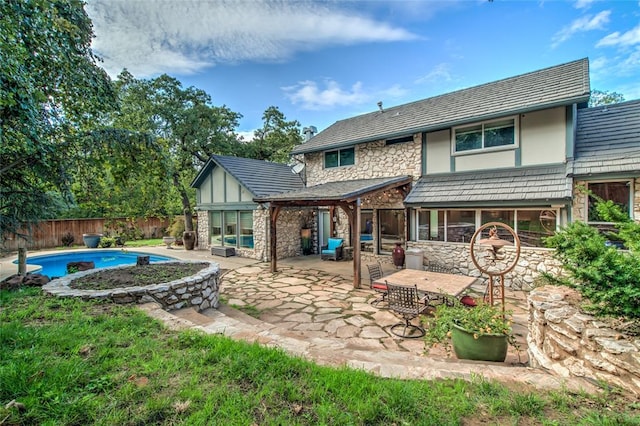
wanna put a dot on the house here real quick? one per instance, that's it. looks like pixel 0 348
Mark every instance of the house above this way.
pixel 429 173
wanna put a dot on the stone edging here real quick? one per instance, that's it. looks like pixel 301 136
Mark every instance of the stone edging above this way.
pixel 200 291
pixel 570 343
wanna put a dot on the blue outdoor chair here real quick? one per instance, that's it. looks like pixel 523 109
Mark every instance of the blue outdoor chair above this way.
pixel 332 250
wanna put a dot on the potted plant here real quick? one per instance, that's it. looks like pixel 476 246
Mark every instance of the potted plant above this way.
pixel 482 332
pixel 91 240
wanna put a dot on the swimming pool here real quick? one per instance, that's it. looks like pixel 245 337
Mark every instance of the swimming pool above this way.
pixel 55 265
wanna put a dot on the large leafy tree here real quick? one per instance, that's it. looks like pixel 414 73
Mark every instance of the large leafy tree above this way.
pixel 604 97
pixel 51 89
pixel 276 138
pixel 186 127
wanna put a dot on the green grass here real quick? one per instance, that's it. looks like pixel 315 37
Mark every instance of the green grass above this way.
pixel 71 362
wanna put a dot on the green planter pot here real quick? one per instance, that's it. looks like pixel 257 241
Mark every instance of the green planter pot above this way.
pixel 487 347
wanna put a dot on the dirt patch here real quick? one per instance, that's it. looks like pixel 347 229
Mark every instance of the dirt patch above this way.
pixel 137 275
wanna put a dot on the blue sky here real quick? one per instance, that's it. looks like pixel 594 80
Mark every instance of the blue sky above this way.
pixel 320 62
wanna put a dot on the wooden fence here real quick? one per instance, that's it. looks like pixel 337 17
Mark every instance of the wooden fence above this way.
pixel 49 233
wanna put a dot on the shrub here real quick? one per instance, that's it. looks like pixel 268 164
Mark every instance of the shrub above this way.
pixel 106 242
pixel 609 278
pixel 68 239
pixel 177 227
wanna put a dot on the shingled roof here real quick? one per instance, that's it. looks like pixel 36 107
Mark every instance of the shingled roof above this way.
pixel 608 139
pixel 330 192
pixel 513 187
pixel 559 85
pixel 261 178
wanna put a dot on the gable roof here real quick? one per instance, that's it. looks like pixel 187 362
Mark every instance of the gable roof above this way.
pixel 521 186
pixel 608 139
pixel 331 192
pixel 261 178
pixel 555 86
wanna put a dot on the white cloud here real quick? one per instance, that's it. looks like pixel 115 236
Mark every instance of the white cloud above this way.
pixel 151 37
pixel 439 74
pixel 629 38
pixel 584 4
pixel 246 136
pixel 586 23
pixel 310 96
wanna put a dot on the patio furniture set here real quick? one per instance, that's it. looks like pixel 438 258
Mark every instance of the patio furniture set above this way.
pixel 411 293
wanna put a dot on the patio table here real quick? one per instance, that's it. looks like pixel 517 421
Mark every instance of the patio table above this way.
pixel 433 284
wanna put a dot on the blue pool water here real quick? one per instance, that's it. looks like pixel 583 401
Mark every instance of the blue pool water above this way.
pixel 55 265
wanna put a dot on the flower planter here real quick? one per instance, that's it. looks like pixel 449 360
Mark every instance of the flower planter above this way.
pixel 91 240
pixel 168 241
pixel 487 347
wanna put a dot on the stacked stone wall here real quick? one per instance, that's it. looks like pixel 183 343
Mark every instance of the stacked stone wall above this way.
pixel 532 261
pixel 372 160
pixel 200 291
pixel 569 342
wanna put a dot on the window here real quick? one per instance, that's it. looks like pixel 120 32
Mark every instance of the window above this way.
pixel 366 231
pixel 224 229
pixel 492 134
pixel 618 192
pixel 390 229
pixel 339 158
pixel 458 226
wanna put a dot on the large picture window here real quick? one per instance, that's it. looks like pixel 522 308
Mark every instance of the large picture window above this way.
pixel 231 228
pixel 491 134
pixel 339 158
pixel 458 226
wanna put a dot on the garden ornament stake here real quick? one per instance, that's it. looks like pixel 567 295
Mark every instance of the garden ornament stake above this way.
pixel 497 262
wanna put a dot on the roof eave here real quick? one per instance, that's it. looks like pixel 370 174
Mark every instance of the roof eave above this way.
pixel 441 126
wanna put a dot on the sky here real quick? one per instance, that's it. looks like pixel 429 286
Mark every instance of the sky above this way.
pixel 324 61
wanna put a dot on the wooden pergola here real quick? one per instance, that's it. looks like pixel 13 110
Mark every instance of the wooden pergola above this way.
pixel 346 194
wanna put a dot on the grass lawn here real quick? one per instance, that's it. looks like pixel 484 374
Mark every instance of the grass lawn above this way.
pixel 69 362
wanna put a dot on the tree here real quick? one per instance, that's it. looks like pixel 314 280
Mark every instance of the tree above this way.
pixel 51 89
pixel 184 124
pixel 604 97
pixel 277 137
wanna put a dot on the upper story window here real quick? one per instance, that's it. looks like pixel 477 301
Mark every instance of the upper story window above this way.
pixel 487 135
pixel 619 192
pixel 340 157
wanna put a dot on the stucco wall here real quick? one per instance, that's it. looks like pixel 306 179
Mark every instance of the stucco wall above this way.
pixel 372 160
pixel 569 342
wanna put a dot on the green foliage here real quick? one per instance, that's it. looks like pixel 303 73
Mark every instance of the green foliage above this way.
pixel 51 89
pixel 481 319
pixel 275 140
pixel 609 278
pixel 177 227
pixel 106 242
pixel 604 97
pixel 74 362
pixel 127 230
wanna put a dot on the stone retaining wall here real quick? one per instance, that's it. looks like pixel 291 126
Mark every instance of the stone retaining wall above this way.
pixel 200 291
pixel 570 343
pixel 532 262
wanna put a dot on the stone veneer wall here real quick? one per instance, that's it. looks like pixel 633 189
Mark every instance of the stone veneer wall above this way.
pixel 570 343
pixel 372 160
pixel 580 201
pixel 532 262
pixel 200 291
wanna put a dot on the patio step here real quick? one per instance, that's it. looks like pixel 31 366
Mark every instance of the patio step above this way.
pixel 190 314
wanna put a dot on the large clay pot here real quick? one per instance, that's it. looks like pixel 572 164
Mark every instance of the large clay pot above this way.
pixel 189 239
pixel 486 347
pixel 398 255
pixel 91 240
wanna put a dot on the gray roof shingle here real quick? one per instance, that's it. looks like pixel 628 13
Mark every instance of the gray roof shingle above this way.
pixel 342 190
pixel 608 139
pixel 521 186
pixel 559 85
pixel 261 178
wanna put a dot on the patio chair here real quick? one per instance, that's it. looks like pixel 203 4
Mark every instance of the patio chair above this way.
pixel 439 267
pixel 333 249
pixel 375 273
pixel 404 301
